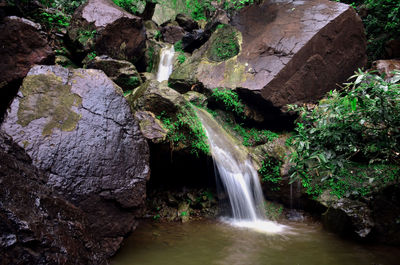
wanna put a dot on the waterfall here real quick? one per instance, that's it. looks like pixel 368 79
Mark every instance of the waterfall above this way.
pixel 238 177
pixel 166 63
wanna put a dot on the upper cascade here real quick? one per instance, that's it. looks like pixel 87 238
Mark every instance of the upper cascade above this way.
pixel 166 63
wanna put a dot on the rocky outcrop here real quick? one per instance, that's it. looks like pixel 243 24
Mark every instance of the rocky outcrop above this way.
pixel 22 45
pixel 77 126
pixel 109 30
pixel 36 225
pixel 373 218
pixel 172 33
pixel 123 73
pixel 186 22
pixel 157 98
pixel 346 217
pixel 386 67
pixel 290 52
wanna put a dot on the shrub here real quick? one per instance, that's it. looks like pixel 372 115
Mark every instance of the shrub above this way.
pixel 229 99
pixel 186 129
pixel 270 169
pixel 225 45
pixel 357 126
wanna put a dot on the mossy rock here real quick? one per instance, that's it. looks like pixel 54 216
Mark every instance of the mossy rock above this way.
pixel 224 44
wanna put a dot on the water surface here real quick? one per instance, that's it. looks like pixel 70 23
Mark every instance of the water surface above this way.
pixel 212 242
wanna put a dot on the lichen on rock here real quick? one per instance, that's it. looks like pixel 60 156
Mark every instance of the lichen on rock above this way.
pixel 46 96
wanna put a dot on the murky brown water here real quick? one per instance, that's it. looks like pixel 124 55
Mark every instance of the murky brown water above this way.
pixel 211 242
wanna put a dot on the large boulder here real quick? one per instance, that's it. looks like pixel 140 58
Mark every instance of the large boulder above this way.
pixel 290 52
pixel 36 225
pixel 172 33
pixel 110 30
pixel 22 45
pixel 77 126
pixel 123 73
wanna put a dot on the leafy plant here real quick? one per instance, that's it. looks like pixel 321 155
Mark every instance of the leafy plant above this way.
pixel 356 126
pixel 225 45
pixel 86 35
pixel 91 55
pixel 181 58
pixel 230 100
pixel 150 56
pixel 253 136
pixel 129 5
pixel 56 20
pixel 185 129
pixel 270 169
pixel 272 210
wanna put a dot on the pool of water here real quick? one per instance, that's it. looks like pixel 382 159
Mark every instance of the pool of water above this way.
pixel 213 242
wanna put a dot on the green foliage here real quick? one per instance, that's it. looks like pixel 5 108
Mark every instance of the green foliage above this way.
pixel 230 100
pixel 86 35
pixel 356 126
pixel 253 136
pixel 57 20
pixel 133 81
pixel 185 129
pixel 158 35
pixel 179 49
pixel 181 58
pixel 65 6
pixel 130 6
pixel 270 169
pixel 225 45
pixel 184 213
pixel 272 210
pixel 92 55
pixel 150 56
pixel 178 46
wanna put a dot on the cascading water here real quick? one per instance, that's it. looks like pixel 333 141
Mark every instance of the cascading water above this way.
pixel 166 63
pixel 239 178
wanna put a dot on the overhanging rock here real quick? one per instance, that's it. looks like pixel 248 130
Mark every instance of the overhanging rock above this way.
pixel 290 52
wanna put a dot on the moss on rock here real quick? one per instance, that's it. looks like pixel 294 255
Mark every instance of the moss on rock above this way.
pixel 46 96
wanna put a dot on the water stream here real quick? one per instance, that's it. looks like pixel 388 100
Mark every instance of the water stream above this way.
pixel 213 242
pixel 166 63
pixel 239 178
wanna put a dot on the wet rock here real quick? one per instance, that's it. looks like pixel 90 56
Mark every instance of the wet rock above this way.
pixel 187 23
pixel 165 12
pixel 36 225
pixel 22 45
pixel 172 33
pixel 393 48
pixel 345 216
pixel 157 98
pixel 184 212
pixel 386 67
pixel 77 126
pixel 109 29
pixel 123 73
pixel 196 98
pixel 152 30
pixel 385 208
pixel 193 40
pixel 295 54
pixel 151 127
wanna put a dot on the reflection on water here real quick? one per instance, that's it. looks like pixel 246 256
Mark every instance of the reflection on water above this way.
pixel 210 242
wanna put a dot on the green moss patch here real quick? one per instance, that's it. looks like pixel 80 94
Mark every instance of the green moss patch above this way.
pixel 45 96
pixel 224 45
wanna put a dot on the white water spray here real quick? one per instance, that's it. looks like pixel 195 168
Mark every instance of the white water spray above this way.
pixel 239 179
pixel 166 63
